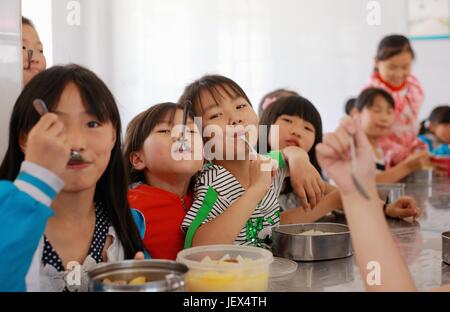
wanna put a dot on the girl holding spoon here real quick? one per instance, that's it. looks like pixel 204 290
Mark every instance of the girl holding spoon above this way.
pixel 86 218
pixel 300 124
pixel 34 60
pixel 162 166
pixel 364 216
pixel 236 199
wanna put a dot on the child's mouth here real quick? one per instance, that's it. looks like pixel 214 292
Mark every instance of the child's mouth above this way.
pixel 292 143
pixel 78 162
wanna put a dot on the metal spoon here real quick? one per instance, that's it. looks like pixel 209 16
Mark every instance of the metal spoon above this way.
pixel 182 139
pixel 252 149
pixel 41 108
pixel 357 184
pixel 30 58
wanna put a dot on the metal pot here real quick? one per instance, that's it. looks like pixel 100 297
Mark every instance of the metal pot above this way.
pixel 446 247
pixel 289 243
pixel 161 276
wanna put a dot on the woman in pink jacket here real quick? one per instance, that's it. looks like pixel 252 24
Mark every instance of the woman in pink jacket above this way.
pixel 392 73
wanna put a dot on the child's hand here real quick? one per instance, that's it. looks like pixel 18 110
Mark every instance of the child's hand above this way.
pixel 305 179
pixel 418 161
pixel 404 207
pixel 261 175
pixel 334 156
pixel 46 144
pixel 139 256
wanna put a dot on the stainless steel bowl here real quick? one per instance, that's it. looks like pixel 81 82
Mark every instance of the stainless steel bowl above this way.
pixel 392 190
pixel 289 243
pixel 161 276
pixel 446 247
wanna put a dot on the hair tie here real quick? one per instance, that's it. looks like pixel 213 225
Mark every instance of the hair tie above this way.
pixel 268 102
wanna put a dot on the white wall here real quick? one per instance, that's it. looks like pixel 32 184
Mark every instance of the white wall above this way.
pixel 40 13
pixel 148 50
pixel 10 65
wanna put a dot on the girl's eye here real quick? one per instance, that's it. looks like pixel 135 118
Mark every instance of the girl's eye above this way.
pixel 309 129
pixel 214 116
pixel 93 124
pixel 287 120
pixel 41 51
pixel 241 106
pixel 24 48
pixel 165 131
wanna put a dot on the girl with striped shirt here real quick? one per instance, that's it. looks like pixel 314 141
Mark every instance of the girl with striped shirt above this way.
pixel 236 198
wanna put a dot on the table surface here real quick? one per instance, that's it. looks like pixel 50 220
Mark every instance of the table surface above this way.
pixel 420 244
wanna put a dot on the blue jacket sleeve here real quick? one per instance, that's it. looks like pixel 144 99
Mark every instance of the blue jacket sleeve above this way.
pixel 140 224
pixel 22 224
pixel 24 211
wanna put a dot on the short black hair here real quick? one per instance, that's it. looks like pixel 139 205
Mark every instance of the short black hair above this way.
pixel 393 45
pixel 27 21
pixel 439 115
pixel 367 98
pixel 349 105
pixel 215 85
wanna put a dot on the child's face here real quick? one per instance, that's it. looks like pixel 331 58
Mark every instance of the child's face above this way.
pixel 377 120
pixel 30 40
pixel 396 69
pixel 231 118
pixel 294 131
pixel 86 134
pixel 441 131
pixel 160 154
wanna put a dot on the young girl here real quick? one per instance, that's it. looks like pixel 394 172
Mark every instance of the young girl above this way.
pixel 376 111
pixel 392 73
pixel 162 188
pixel 333 156
pixel 236 200
pixel 34 60
pixel 435 131
pixel 89 220
pixel 299 124
pixel 271 97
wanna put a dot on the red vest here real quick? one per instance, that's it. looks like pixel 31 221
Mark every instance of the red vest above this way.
pixel 164 213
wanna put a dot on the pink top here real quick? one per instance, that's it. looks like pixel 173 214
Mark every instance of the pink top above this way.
pixel 408 100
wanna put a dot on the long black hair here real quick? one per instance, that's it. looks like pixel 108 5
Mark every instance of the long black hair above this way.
pixel 300 107
pixel 111 189
pixel 439 115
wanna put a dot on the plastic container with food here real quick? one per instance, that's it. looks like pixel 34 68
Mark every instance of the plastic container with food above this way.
pixel 226 268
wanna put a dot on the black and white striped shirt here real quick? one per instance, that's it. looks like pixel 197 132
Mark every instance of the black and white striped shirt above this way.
pixel 228 188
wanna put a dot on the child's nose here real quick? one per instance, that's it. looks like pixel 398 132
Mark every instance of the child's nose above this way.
pixel 236 122
pixel 75 139
pixel 296 133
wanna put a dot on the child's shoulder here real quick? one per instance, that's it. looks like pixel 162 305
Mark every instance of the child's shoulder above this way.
pixel 212 174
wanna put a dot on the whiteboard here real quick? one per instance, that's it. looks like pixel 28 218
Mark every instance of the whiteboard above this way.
pixel 429 19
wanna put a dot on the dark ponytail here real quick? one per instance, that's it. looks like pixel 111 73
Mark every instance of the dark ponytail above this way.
pixel 439 115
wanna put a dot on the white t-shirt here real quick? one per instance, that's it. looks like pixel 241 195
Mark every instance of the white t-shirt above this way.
pixel 228 188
